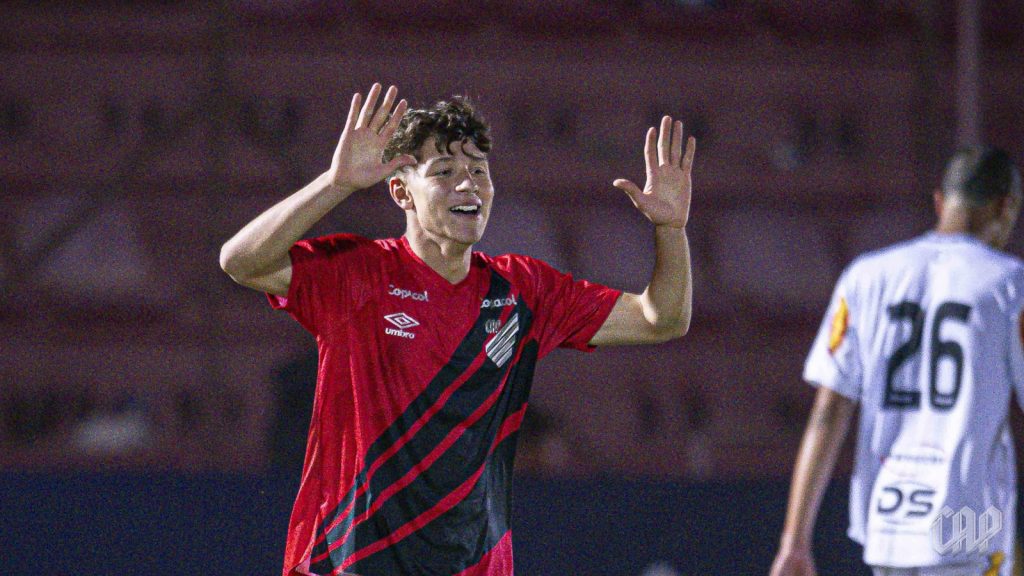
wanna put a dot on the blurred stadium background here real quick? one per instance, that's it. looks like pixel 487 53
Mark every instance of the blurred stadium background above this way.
pixel 153 414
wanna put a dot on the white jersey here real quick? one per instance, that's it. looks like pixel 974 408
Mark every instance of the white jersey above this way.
pixel 926 336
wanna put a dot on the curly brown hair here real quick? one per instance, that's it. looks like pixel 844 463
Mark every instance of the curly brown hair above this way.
pixel 448 121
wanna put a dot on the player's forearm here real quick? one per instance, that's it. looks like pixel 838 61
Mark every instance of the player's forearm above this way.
pixel 667 301
pixel 265 241
pixel 822 442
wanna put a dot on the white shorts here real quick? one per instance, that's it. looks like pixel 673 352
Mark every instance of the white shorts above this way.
pixel 978 569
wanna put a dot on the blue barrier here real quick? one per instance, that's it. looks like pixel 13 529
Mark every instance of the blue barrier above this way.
pixel 175 524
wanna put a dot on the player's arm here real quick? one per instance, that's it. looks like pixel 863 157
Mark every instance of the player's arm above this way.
pixel 257 256
pixel 662 310
pixel 826 430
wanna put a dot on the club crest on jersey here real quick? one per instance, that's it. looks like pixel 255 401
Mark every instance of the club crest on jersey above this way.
pixel 402 323
pixel 840 322
pixel 503 344
pixel 498 302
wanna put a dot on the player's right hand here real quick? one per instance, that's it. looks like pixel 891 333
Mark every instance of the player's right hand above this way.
pixel 357 162
pixel 794 563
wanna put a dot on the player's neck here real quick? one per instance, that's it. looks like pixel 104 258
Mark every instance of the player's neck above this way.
pixel 449 259
pixel 953 222
pixel 970 222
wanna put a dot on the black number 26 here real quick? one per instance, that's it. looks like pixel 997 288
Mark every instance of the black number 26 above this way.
pixel 911 399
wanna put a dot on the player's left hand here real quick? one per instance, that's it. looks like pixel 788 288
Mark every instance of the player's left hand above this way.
pixel 665 199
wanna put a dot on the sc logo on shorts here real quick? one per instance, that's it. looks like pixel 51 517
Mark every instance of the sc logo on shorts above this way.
pixel 904 502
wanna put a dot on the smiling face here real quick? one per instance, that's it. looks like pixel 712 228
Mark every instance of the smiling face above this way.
pixel 446 196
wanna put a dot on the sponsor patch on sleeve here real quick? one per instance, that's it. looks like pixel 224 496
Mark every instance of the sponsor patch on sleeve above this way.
pixel 995 562
pixel 840 321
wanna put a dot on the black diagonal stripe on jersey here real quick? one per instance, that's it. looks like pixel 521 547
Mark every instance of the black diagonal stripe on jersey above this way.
pixel 465 353
pixel 450 470
pixel 451 550
pixel 462 535
pixel 457 464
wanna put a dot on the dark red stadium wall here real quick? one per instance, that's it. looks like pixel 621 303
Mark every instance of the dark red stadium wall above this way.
pixel 138 138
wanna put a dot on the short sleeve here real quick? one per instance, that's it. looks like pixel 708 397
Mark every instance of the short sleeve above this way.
pixel 329 275
pixel 834 360
pixel 568 312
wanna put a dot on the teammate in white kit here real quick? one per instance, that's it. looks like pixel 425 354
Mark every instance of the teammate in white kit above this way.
pixel 926 337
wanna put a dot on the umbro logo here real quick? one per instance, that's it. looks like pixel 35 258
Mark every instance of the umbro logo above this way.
pixel 402 322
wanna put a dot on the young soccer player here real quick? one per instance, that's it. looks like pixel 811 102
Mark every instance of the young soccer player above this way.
pixel 925 337
pixel 427 348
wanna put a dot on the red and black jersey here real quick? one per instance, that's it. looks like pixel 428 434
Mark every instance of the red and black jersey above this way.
pixel 422 386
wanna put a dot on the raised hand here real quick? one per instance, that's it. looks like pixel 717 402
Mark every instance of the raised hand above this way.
pixel 665 199
pixel 357 162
